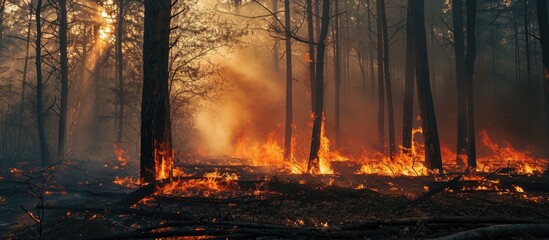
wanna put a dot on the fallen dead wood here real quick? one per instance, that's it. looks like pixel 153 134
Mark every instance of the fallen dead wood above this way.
pixel 440 220
pixel 224 229
pixel 501 231
pixel 440 187
pixel 120 211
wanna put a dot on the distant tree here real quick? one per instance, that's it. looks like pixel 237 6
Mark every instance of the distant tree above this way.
pixel 381 85
pixel 387 77
pixel 63 25
pixel 120 70
pixel 156 139
pixel 337 72
pixel 433 158
pixel 289 80
pixel 311 36
pixel 44 151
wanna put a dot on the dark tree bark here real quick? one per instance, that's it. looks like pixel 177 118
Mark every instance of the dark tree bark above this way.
pixel 543 22
pixel 408 106
pixel 44 151
pixel 276 66
pixel 156 138
pixel 459 51
pixel 289 97
pixel 313 164
pixel 430 133
pixel 24 88
pixel 470 71
pixel 528 65
pixel 370 48
pixel 381 85
pixel 337 73
pixel 310 30
pixel 387 73
pixel 64 79
pixel 120 71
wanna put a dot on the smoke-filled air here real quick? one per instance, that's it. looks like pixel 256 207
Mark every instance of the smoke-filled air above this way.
pixel 274 119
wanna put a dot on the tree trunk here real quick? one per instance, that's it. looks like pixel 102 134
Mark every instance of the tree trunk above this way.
pixel 459 51
pixel 120 71
pixel 64 79
pixel 44 151
pixel 276 66
pixel 543 23
pixel 156 139
pixel 337 72
pixel 408 109
pixel 313 164
pixel 20 148
pixel 370 48
pixel 289 99
pixel 430 133
pixel 381 99
pixel 2 11
pixel 470 70
pixel 310 29
pixel 97 77
pixel 528 67
pixel 392 143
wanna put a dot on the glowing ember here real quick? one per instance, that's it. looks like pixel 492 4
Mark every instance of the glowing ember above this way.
pixel 128 182
pixel 518 188
pixel 212 183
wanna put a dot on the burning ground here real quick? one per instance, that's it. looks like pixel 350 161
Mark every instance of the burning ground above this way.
pixel 251 198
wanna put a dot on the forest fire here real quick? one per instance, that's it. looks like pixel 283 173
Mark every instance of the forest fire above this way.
pixel 247 119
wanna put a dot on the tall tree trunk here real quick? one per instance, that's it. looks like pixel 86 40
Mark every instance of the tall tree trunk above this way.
pixel 387 73
pixel 156 138
pixel 408 109
pixel 84 59
pixel 289 97
pixel 370 48
pixel 97 74
pixel 543 23
pixel 24 89
pixel 2 11
pixel 528 67
pixel 44 151
pixel 120 71
pixel 64 79
pixel 337 73
pixel 381 87
pixel 276 66
pixel 310 30
pixel 313 164
pixel 470 70
pixel 459 51
pixel 430 133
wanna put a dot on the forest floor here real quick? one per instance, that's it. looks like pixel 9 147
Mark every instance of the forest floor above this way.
pixel 81 201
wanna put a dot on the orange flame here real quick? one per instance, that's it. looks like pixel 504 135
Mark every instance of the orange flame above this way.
pixel 163 161
pixel 121 154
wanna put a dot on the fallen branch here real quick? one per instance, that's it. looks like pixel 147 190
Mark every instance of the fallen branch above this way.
pixel 438 220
